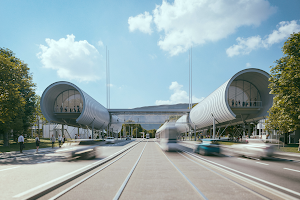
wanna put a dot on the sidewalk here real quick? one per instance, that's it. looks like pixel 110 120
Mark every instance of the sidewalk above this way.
pixel 26 152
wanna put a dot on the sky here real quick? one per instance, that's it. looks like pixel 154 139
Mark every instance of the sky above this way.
pixel 149 44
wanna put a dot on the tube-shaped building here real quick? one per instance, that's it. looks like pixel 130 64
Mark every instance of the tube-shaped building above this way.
pixel 65 103
pixel 245 97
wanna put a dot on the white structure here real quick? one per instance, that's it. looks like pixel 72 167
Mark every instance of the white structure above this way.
pixel 65 103
pixel 243 98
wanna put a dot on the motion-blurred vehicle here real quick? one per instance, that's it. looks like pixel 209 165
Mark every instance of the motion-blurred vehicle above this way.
pixel 110 140
pixel 207 147
pixel 147 136
pixel 168 144
pixel 254 148
pixel 168 137
pixel 128 137
pixel 81 148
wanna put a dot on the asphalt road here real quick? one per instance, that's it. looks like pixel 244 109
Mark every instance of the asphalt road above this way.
pixel 157 175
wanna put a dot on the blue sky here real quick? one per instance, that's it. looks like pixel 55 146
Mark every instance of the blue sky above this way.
pixel 148 43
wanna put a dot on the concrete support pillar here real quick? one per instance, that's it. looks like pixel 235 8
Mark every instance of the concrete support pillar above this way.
pixel 62 130
pixel 92 129
pixel 195 132
pixel 249 130
pixel 214 128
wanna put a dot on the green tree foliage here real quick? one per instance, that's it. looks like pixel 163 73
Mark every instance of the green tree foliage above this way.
pixel 38 113
pixel 17 96
pixel 136 128
pixel 284 115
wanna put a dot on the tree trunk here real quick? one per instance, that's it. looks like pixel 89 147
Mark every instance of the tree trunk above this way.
pixel 5 140
pixel 285 138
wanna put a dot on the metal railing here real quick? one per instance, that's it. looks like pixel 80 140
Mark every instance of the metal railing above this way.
pixel 245 104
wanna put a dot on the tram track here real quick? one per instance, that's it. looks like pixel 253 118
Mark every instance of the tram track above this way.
pixel 175 175
pixel 42 192
pixel 262 188
pixel 63 191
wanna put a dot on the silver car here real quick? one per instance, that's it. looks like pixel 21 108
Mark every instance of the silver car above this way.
pixel 110 140
pixel 254 148
pixel 80 148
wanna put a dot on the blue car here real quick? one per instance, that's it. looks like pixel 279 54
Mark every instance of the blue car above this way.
pixel 207 146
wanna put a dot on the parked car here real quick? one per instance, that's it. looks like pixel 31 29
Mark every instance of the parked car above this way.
pixel 110 140
pixel 80 148
pixel 207 146
pixel 254 148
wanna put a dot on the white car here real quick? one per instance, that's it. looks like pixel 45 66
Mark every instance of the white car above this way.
pixel 110 140
pixel 80 148
pixel 254 148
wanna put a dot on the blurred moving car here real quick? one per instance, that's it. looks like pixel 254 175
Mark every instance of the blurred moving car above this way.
pixel 110 140
pixel 128 137
pixel 168 144
pixel 80 148
pixel 207 146
pixel 147 136
pixel 254 148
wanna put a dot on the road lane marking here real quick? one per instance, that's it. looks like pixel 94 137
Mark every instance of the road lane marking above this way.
pixel 262 163
pixel 223 175
pixel 292 169
pixel 267 182
pixel 8 168
pixel 242 159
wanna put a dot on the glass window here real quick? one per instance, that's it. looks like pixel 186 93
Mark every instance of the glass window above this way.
pixel 243 94
pixel 69 101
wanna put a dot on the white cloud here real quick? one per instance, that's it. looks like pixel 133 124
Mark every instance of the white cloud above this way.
pixel 284 30
pixel 195 22
pixel 153 56
pixel 248 65
pixel 100 43
pixel 178 96
pixel 141 22
pixel 245 46
pixel 72 60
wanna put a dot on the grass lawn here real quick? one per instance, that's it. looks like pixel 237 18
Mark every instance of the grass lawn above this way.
pixel 290 148
pixel 228 143
pixel 29 144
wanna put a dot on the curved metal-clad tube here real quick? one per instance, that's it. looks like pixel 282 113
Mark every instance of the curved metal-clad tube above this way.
pixel 201 114
pixel 116 125
pixel 217 102
pixel 182 124
pixel 92 111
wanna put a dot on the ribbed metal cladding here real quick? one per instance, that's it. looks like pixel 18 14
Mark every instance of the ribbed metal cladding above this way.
pixel 182 124
pixel 217 102
pixel 116 125
pixel 92 110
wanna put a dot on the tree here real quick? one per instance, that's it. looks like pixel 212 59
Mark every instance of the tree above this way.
pixel 17 94
pixel 284 115
pixel 38 113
